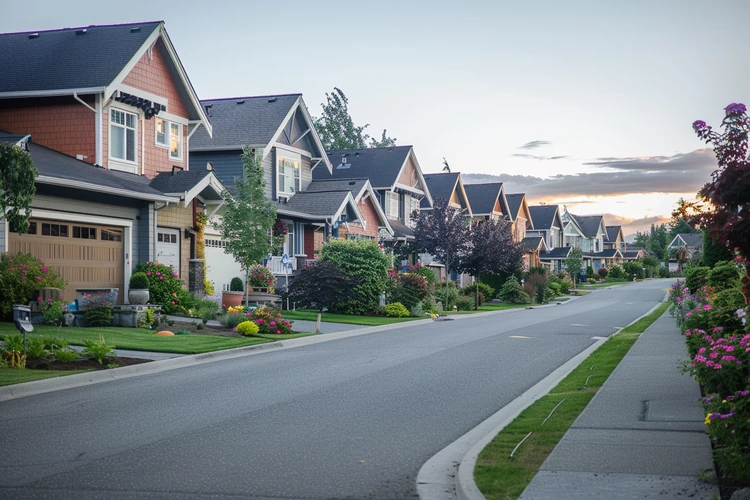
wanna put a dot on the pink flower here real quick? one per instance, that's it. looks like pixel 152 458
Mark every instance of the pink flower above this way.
pixel 174 274
pixel 39 299
pixel 707 307
pixel 49 300
pixel 161 278
pixel 148 273
pixel 278 332
pixel 260 321
pixel 173 302
pixel 278 315
pixel 39 278
pixel 272 323
pixel 270 281
pixel 158 273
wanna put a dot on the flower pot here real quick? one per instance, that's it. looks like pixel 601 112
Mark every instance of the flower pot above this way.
pixel 257 289
pixel 68 319
pixel 138 296
pixel 231 299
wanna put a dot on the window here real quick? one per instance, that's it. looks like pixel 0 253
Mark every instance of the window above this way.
pixel 166 238
pixel 161 132
pixel 13 228
pixel 85 233
pixel 60 230
pixel 175 141
pixel 289 178
pixel 111 235
pixel 391 204
pixel 122 136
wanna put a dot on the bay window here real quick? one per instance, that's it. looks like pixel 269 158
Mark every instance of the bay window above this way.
pixel 289 176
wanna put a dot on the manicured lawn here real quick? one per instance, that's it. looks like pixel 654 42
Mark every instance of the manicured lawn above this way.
pixel 496 475
pixel 10 376
pixel 595 286
pixel 491 307
pixel 308 315
pixel 138 339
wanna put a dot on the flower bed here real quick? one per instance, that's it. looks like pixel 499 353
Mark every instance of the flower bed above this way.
pixel 713 321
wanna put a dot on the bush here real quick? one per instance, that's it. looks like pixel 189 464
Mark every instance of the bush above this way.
pixel 52 310
pixel 464 303
pixel 409 289
pixel 724 275
pixel 562 283
pixel 616 272
pixel 513 292
pixel 139 281
pixel 269 321
pixel 35 348
pixel 165 287
pixel 236 285
pixel 366 264
pixel 484 290
pixel 321 285
pixel 603 272
pixel 695 277
pixel 247 328
pixel 231 320
pixel 98 308
pixel 98 350
pixel 259 276
pixel 446 294
pixel 21 275
pixel 65 356
pixel 663 272
pixel 424 271
pixel 589 272
pixel 417 311
pixel 396 310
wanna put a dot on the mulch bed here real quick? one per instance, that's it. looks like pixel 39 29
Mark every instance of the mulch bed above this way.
pixel 81 363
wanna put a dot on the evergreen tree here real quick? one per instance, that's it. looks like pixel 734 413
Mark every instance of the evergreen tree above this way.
pixel 336 127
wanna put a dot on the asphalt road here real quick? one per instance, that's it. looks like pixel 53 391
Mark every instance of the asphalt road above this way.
pixel 350 418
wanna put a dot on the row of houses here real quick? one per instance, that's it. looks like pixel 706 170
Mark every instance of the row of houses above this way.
pixel 129 157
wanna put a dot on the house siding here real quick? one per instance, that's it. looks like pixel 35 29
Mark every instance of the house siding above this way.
pixel 176 216
pixel 227 164
pixel 367 209
pixel 3 239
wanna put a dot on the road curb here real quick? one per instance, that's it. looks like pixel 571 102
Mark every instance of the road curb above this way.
pixel 458 459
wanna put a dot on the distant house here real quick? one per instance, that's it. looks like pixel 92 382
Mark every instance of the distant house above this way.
pixel 632 253
pixel 692 243
pixel 488 201
pixel 614 238
pixel 519 215
pixel 547 224
pixel 450 187
pixel 534 247
pixel 589 233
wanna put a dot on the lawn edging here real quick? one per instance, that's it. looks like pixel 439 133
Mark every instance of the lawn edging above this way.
pixel 466 449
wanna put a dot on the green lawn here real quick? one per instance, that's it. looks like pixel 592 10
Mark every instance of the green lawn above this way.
pixel 491 307
pixel 139 339
pixel 594 286
pixel 308 315
pixel 496 475
pixel 10 376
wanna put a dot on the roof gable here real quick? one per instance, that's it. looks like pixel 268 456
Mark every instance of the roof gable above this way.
pixel 614 233
pixel 519 208
pixel 382 166
pixel 546 216
pixel 693 240
pixel 484 198
pixel 591 225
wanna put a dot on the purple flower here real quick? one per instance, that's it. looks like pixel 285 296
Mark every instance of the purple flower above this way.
pixel 699 124
pixel 736 107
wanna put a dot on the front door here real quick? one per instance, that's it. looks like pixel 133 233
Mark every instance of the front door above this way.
pixel 168 247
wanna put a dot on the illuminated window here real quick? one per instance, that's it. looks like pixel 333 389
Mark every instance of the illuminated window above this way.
pixel 289 176
pixel 161 132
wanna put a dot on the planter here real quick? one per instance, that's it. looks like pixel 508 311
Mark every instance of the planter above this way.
pixel 138 296
pixel 68 319
pixel 231 299
pixel 263 297
pixel 257 289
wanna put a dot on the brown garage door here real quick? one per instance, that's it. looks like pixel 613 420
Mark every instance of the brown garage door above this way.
pixel 85 255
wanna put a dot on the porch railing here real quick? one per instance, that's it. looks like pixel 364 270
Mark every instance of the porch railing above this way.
pixel 277 267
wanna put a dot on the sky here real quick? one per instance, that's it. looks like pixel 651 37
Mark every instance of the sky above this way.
pixel 587 104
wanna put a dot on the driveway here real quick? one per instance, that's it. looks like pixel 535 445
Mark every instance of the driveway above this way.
pixel 349 418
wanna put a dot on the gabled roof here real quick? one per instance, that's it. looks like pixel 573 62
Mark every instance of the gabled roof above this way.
pixel 443 185
pixel 321 205
pixel 589 224
pixel 693 240
pixel 516 203
pixel 558 253
pixel 243 121
pixel 534 243
pixel 382 166
pixel 545 216
pixel 401 230
pixel 483 197
pixel 189 184
pixel 59 169
pixel 607 253
pixel 90 57
pixel 612 233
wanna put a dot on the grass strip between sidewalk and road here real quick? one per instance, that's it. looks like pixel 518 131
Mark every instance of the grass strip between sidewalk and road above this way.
pixel 498 477
pixel 352 319
pixel 139 339
pixel 9 376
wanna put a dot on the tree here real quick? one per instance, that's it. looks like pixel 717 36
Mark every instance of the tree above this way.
pixel 713 251
pixel 320 286
pixel 574 263
pixel 729 190
pixel 336 127
pixel 17 175
pixel 679 224
pixel 491 251
pixel 679 254
pixel 446 167
pixel 443 233
pixel 248 216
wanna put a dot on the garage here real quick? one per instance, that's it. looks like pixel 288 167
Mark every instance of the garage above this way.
pixel 85 255
pixel 168 247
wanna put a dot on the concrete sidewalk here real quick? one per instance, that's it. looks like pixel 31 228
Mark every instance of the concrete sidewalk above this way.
pixel 642 435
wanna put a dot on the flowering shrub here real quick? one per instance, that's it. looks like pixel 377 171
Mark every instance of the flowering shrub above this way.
pixel 728 422
pixel 397 310
pixel 280 228
pixel 269 321
pixel 260 276
pixel 98 308
pixel 407 288
pixel 52 310
pixel 423 270
pixel 164 286
pixel 247 328
pixel 21 275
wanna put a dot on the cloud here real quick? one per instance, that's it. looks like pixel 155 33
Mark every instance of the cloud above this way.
pixel 535 144
pixel 538 157
pixel 681 173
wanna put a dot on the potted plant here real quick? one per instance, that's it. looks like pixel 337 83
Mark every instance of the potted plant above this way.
pixel 260 279
pixel 138 291
pixel 233 297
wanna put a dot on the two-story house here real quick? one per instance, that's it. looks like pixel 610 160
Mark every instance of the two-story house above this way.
pixel 488 201
pixel 280 129
pixel 548 225
pixel 104 111
pixel 589 232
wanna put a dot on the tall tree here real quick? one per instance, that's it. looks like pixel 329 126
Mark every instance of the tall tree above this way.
pixel 248 216
pixel 443 233
pixel 574 263
pixel 17 175
pixel 337 130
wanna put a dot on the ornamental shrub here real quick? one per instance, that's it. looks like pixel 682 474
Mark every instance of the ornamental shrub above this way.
pixel 269 321
pixel 164 286
pixel 446 294
pixel 408 289
pixel 21 275
pixel 615 272
pixel 247 328
pixel 465 303
pixel 485 291
pixel 52 310
pixel 365 262
pixel 396 310
pixel 139 281
pixel 259 276
pixel 513 292
pixel 724 275
pixel 425 271
pixel 603 272
pixel 98 308
pixel 695 277
pixel 236 285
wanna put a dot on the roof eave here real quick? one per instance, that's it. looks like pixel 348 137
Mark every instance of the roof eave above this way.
pixel 87 186
pixel 50 93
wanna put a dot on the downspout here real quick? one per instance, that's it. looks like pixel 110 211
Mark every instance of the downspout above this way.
pixel 143 146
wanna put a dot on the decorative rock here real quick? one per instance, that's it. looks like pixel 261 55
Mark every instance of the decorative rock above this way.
pixel 743 494
pixel 165 333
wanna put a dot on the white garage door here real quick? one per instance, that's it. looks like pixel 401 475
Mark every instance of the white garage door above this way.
pixel 168 247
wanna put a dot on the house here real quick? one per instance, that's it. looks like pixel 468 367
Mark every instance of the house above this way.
pixel 104 111
pixel 554 258
pixel 488 201
pixel 519 215
pixel 632 253
pixel 280 129
pixel 589 233
pixel 547 224
pixel 396 178
pixel 450 187
pixel 691 243
pixel 614 238
pixel 534 247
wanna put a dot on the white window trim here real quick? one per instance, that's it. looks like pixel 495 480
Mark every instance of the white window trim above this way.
pixel 166 133
pixel 119 163
pixel 168 136
pixel 298 187
pixel 395 198
pixel 182 140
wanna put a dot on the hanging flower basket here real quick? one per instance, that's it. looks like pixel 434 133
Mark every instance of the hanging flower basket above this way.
pixel 280 228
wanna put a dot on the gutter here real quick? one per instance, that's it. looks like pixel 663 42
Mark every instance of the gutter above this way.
pixel 54 181
pixel 50 93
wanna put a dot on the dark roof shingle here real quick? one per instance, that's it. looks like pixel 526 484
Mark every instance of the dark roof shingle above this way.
pixel 612 232
pixel 242 121
pixel 532 242
pixel 482 197
pixel 380 165
pixel 692 239
pixel 317 203
pixel 441 185
pixel 556 253
pixel 543 216
pixel 514 203
pixel 589 224
pixel 62 59
pixel 353 185
pixel 178 181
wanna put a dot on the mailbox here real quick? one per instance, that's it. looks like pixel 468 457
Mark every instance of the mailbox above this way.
pixel 22 318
